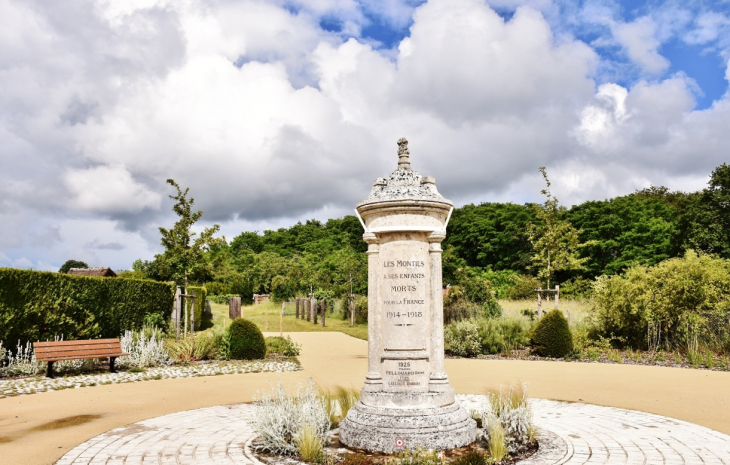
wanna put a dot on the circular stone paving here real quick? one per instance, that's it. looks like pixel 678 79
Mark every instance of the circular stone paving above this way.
pixel 570 433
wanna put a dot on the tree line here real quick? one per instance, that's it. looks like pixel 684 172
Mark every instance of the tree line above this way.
pixel 503 245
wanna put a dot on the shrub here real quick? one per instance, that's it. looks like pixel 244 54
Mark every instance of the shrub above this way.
pixel 280 418
pixel 462 338
pixel 247 342
pixel 524 288
pixel 38 305
pixel 222 299
pixel 145 349
pixel 676 304
pixel 282 346
pixel 551 336
pixel 457 306
pixel 498 335
pixel 361 309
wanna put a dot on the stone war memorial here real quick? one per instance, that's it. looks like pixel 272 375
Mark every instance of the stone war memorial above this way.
pixel 406 401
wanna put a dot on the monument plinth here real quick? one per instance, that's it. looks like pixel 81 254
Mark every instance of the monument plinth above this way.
pixel 406 401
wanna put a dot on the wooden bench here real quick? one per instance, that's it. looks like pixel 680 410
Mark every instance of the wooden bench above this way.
pixel 77 350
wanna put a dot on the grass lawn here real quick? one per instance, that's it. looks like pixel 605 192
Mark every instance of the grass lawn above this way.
pixel 257 314
pixel 579 309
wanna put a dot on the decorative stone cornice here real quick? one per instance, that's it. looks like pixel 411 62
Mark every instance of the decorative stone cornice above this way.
pixel 404 183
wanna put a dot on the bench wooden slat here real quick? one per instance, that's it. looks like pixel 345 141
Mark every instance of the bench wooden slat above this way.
pixel 70 343
pixel 85 354
pixel 79 347
pixel 79 357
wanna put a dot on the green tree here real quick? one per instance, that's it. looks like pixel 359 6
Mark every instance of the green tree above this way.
pixel 72 264
pixel 554 240
pixel 185 254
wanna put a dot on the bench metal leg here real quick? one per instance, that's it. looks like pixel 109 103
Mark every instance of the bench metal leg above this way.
pixel 111 364
pixel 49 371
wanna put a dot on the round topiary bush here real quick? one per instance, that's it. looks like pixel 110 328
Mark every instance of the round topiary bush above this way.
pixel 551 336
pixel 247 342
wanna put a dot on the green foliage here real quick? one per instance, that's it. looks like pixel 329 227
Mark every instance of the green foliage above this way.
pixel 490 235
pixel 361 309
pixel 677 304
pixel 473 457
pixel 246 340
pixel 282 346
pixel 184 257
pixel 37 305
pixel 457 306
pixel 201 295
pixel 636 228
pixel 554 240
pixel 502 335
pixel 524 288
pixel 221 299
pixel 462 338
pixel 551 336
pixel 72 264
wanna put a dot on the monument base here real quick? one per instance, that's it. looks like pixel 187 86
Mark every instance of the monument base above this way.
pixel 388 430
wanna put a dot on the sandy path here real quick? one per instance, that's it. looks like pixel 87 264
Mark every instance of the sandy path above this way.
pixel 40 428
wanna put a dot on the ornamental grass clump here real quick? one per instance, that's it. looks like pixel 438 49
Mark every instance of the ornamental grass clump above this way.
pixel 509 409
pixel 338 402
pixel 281 418
pixel 309 446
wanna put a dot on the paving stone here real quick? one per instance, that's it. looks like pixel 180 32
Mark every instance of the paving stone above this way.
pixel 569 433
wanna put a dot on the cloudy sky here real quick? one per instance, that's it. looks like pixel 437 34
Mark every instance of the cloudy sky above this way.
pixel 278 111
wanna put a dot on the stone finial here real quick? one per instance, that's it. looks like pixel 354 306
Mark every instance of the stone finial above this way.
pixel 403 154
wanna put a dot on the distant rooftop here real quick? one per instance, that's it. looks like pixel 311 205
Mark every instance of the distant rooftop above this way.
pixel 104 272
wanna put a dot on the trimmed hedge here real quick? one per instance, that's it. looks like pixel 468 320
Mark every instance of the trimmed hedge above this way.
pixel 38 305
pixel 247 341
pixel 551 336
pixel 201 294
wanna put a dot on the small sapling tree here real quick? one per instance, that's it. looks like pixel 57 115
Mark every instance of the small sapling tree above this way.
pixel 554 240
pixel 184 255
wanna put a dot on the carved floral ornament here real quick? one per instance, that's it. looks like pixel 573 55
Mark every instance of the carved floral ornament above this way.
pixel 404 183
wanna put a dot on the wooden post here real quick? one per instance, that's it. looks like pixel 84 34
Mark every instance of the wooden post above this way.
pixel 297 304
pixel 539 303
pixel 281 320
pixel 351 308
pixel 177 309
pixel 314 311
pixel 308 305
pixel 323 309
pixel 557 295
pixel 234 308
pixel 185 332
pixel 192 316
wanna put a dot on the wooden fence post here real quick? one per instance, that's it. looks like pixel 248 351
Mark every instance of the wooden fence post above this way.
pixel 314 311
pixel 281 320
pixel 297 304
pixel 557 295
pixel 351 308
pixel 234 308
pixel 323 308
pixel 177 309
pixel 539 303
pixel 309 309
pixel 192 316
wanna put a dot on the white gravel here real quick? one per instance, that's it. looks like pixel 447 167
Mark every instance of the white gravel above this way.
pixel 35 384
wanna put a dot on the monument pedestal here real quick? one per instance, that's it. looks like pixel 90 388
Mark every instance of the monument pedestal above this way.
pixel 406 401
